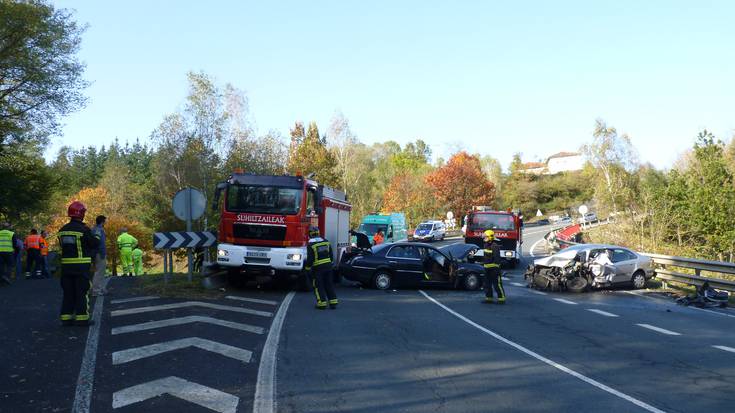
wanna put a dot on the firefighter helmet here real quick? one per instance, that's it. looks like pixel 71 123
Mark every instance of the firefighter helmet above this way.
pixel 77 210
pixel 314 232
pixel 489 234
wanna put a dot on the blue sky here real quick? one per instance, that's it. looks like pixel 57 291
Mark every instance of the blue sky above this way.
pixel 492 77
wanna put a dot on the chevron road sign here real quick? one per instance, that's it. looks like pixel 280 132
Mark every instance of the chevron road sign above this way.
pixel 184 239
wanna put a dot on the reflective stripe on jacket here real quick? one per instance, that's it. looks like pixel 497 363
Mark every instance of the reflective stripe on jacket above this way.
pixel 6 241
pixel 318 253
pixel 77 245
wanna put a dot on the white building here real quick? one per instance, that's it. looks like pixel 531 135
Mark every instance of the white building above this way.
pixel 564 162
pixel 559 162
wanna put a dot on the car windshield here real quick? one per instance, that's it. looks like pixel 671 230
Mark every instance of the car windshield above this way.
pixel 263 199
pixel 372 229
pixel 492 221
pixel 423 227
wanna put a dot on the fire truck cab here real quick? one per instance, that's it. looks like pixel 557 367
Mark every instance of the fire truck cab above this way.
pixel 265 221
pixel 507 226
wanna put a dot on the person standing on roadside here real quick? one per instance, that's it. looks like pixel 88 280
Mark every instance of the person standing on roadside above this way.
pixel 491 262
pixel 319 262
pixel 77 246
pixel 33 254
pixel 8 248
pixel 100 257
pixel 19 247
pixel 126 243
pixel 44 255
pixel 138 261
pixel 378 238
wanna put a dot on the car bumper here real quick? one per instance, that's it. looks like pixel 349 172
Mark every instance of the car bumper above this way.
pixel 279 259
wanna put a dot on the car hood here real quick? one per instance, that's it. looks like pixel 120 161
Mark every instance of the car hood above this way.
pixel 557 260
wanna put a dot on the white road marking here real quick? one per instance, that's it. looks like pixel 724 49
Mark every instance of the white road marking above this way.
pixel 185 304
pixel 192 392
pixel 713 312
pixel 561 300
pixel 659 329
pixel 126 356
pixel 543 359
pixel 725 348
pixel 518 284
pixel 265 386
pixel 600 312
pixel 134 299
pixel 85 381
pixel 251 300
pixel 134 328
pixel 533 247
pixel 537 292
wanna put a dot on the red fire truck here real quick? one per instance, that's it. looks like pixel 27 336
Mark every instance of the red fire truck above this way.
pixel 507 226
pixel 264 226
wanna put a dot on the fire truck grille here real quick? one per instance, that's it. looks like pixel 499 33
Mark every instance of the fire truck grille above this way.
pixel 264 232
pixel 508 244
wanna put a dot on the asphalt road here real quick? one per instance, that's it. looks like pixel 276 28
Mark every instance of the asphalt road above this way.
pixel 396 351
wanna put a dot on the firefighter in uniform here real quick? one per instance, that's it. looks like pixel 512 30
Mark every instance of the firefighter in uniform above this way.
pixel 491 262
pixel 77 245
pixel 319 259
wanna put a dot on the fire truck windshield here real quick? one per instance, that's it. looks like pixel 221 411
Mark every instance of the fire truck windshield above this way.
pixel 263 199
pixel 492 221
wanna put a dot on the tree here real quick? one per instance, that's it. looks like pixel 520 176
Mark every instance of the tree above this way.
pixel 461 184
pixel 407 193
pixel 311 156
pixel 27 183
pixel 40 74
pixel 612 155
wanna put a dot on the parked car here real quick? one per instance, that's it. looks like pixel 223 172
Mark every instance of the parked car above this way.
pixel 609 265
pixel 588 217
pixel 565 221
pixel 393 226
pixel 430 231
pixel 543 221
pixel 406 264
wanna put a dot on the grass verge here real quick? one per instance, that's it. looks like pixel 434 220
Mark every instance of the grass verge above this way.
pixel 178 286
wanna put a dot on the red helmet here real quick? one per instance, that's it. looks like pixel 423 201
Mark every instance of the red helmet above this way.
pixel 77 210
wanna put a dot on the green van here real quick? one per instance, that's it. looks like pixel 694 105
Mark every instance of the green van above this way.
pixel 393 226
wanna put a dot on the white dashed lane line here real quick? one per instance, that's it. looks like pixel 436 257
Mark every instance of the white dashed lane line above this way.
pixel 518 284
pixel 600 312
pixel 538 292
pixel 659 330
pixel 725 348
pixel 561 300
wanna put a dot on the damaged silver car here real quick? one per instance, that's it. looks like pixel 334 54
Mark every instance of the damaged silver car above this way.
pixel 585 266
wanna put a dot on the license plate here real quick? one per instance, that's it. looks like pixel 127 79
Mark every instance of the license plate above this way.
pixel 256 254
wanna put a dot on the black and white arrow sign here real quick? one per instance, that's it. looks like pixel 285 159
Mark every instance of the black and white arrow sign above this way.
pixel 173 240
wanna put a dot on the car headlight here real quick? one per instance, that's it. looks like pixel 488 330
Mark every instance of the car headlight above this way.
pixel 223 253
pixel 293 257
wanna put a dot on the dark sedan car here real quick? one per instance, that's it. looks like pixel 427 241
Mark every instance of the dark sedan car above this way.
pixel 405 264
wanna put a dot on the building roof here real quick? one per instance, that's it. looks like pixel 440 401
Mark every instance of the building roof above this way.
pixel 564 155
pixel 533 165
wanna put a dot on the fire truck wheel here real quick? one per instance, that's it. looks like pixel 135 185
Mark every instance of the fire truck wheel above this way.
pixel 235 279
pixel 382 280
pixel 303 283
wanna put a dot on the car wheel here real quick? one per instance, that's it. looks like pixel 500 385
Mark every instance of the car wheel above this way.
pixel 577 285
pixel 472 282
pixel 382 280
pixel 638 280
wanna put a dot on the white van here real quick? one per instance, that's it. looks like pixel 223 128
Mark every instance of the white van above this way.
pixel 430 231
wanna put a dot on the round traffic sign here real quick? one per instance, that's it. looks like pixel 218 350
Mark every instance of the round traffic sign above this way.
pixel 189 204
pixel 450 215
pixel 583 209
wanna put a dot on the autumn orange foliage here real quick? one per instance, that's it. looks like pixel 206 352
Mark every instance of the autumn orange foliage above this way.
pixel 461 183
pixel 98 203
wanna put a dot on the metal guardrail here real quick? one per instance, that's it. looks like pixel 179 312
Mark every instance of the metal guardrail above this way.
pixel 666 274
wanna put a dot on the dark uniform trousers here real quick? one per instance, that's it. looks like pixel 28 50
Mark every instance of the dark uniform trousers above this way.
pixel 75 304
pixel 323 283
